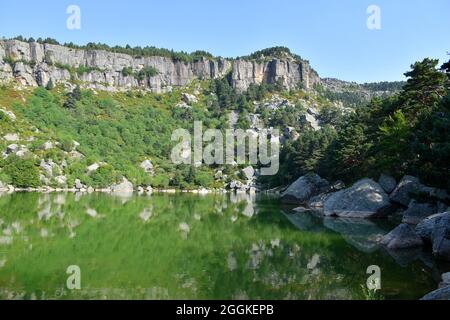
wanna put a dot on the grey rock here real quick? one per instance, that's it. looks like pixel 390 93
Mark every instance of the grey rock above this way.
pixel 189 98
pixel 290 71
pixel 407 186
pixel 403 236
pixel 147 165
pixel 425 228
pixel 11 137
pixel 78 184
pixel 365 199
pixel 304 188
pixel 12 148
pixel 124 187
pixel 171 73
pixel 416 212
pixel 440 238
pixel 387 182
pixel 10 114
pixel 249 172
pixel 439 294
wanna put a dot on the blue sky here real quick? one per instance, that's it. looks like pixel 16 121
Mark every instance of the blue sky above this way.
pixel 332 34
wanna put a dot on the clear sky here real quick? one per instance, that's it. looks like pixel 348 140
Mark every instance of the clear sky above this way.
pixel 332 34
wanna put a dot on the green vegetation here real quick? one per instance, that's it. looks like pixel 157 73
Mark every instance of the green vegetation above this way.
pixel 273 52
pixel 407 133
pixel 21 172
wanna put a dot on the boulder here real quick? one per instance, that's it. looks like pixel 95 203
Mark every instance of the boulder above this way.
pixel 249 172
pixel 189 98
pixel 124 187
pixel 61 181
pixel 147 165
pixel 425 227
pixel 11 137
pixel 407 186
pixel 317 202
pixel 78 184
pixel 93 167
pixel 305 188
pixel 440 238
pixel 445 277
pixel 9 114
pixel 416 212
pixel 388 183
pixel 12 148
pixel 403 236
pixel 439 294
pixel 365 199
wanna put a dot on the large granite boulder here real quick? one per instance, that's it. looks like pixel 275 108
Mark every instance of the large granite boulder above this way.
pixel 403 236
pixel 439 294
pixel 304 188
pixel 416 212
pixel 440 238
pixel 388 183
pixel 124 187
pixel 408 186
pixel 425 227
pixel 365 199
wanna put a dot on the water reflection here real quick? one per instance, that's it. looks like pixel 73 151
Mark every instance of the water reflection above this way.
pixel 185 246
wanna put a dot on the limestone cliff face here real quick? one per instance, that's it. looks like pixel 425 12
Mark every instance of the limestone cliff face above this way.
pixel 33 64
pixel 289 72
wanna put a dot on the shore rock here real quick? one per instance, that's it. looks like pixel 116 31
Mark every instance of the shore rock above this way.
pixel 304 188
pixel 416 212
pixel 388 183
pixel 403 236
pixel 439 294
pixel 440 238
pixel 425 228
pixel 404 189
pixel 124 187
pixel 365 199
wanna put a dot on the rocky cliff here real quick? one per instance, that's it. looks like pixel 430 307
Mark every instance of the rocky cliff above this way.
pixel 35 64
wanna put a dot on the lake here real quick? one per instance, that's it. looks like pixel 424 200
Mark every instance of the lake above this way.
pixel 187 246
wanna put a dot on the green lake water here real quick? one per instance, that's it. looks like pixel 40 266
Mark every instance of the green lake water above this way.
pixel 185 246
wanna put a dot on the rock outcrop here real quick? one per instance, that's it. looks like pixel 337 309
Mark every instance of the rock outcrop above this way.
pixel 33 64
pixel 365 199
pixel 290 72
pixel 304 188
pixel 416 212
pixel 406 187
pixel 403 236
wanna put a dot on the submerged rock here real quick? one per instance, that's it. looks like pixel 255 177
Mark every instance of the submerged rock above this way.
pixel 403 236
pixel 365 199
pixel 304 188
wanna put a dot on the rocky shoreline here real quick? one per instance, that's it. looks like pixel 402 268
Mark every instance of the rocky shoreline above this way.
pixel 424 212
